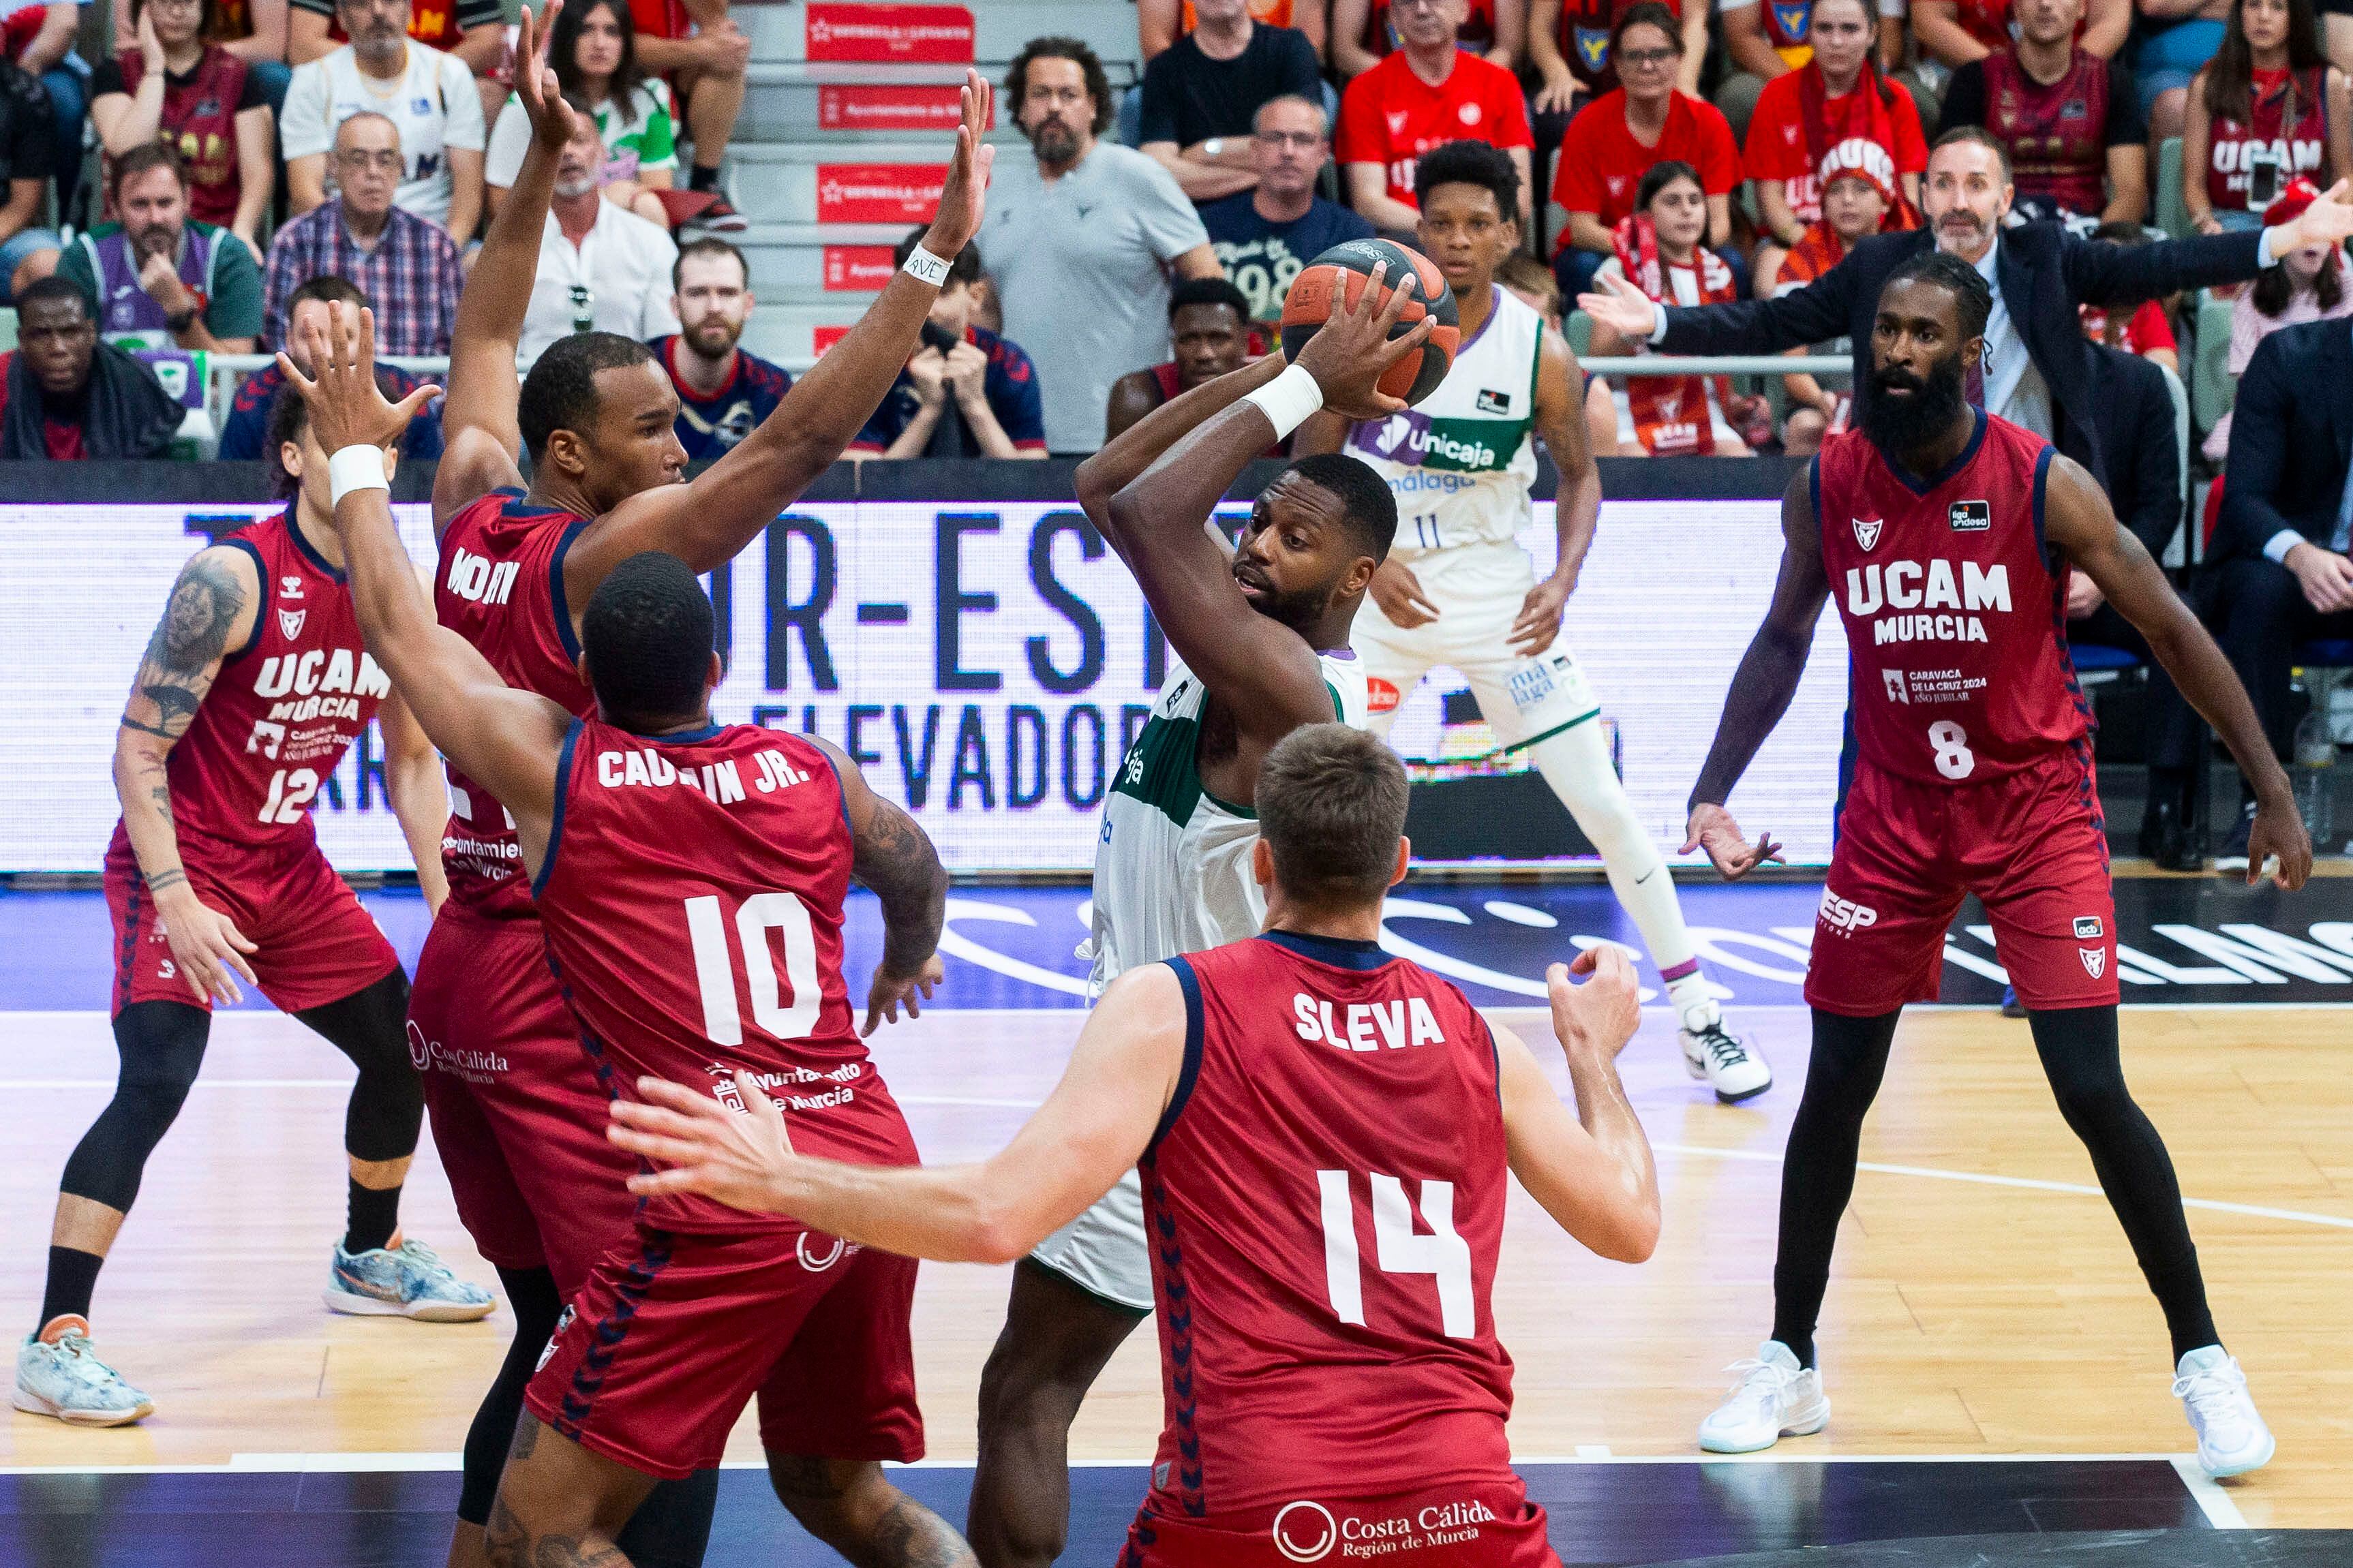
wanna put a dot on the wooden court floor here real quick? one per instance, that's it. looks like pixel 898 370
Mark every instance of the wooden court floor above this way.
pixel 1984 1301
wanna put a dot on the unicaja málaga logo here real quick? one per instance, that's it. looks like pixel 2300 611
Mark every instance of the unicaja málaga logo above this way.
pixel 1305 1531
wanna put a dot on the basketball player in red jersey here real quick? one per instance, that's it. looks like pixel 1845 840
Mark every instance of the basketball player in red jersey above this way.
pixel 1325 1132
pixel 252 689
pixel 674 864
pixel 517 1113
pixel 1948 536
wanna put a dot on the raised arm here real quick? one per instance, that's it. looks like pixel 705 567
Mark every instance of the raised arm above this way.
pixel 2079 522
pixel 481 442
pixel 1576 499
pixel 1267 678
pixel 1593 1172
pixel 1815 313
pixel 1092 1130
pixel 211 611
pixel 896 861
pixel 509 740
pixel 716 516
pixel 1761 687
pixel 2127 274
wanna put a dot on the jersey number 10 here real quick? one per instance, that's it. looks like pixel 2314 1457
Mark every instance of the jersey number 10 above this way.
pixel 1442 1254
pixel 715 970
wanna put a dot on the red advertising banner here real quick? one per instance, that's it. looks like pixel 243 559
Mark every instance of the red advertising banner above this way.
pixel 898 35
pixel 824 338
pixel 879 192
pixel 870 108
pixel 861 269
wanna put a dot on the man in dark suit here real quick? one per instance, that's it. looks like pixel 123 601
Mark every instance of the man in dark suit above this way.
pixel 2278 566
pixel 2039 368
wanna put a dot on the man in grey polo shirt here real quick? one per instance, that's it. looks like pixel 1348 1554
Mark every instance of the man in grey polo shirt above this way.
pixel 1081 241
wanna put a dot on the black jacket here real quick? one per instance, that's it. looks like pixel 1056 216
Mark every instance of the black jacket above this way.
pixel 2297 397
pixel 2140 437
pixel 2045 273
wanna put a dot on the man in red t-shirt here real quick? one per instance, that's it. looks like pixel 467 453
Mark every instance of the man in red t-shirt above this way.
pixel 1799 117
pixel 1617 137
pixel 1425 95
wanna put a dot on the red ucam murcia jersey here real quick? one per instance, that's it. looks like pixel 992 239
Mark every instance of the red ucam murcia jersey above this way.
pixel 500 585
pixel 283 711
pixel 1955 607
pixel 693 902
pixel 1326 1200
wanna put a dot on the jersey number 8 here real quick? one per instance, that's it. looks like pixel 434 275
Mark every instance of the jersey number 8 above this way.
pixel 1954 758
pixel 1442 1254
pixel 715 970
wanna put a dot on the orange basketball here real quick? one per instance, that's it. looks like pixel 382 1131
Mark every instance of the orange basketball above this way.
pixel 1348 266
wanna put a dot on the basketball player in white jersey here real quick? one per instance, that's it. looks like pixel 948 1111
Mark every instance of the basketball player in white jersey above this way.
pixel 1460 591
pixel 1261 636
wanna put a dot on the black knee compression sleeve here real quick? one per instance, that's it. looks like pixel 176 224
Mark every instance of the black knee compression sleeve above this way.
pixel 1850 1056
pixel 2080 1057
pixel 162 1044
pixel 531 1294
pixel 387 1104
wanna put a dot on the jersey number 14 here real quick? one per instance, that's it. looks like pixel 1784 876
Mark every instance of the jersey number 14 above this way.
pixel 1442 1254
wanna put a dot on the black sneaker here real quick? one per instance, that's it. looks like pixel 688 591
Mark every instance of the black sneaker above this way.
pixel 2165 839
pixel 2233 856
pixel 719 217
pixel 2012 1007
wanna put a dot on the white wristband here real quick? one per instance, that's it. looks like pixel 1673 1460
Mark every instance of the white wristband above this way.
pixel 1288 400
pixel 925 267
pixel 357 468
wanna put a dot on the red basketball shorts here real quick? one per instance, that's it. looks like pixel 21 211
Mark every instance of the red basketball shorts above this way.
pixel 676 1331
pixel 1484 1524
pixel 2030 846
pixel 518 1112
pixel 314 943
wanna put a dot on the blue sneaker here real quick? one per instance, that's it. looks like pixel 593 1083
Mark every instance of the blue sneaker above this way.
pixel 58 1374
pixel 407 1281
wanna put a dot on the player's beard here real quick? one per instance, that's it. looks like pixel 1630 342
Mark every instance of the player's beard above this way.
pixel 1299 609
pixel 1902 425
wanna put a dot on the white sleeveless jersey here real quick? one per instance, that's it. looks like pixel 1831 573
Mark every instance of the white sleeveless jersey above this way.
pixel 1460 462
pixel 1173 864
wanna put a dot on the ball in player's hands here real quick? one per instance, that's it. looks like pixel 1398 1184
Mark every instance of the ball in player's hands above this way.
pixel 1337 279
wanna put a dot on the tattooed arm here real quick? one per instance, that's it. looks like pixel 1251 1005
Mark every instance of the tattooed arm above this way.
pixel 896 861
pixel 211 612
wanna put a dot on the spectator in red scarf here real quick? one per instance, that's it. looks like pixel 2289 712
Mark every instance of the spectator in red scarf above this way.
pixel 1659 250
pixel 1957 32
pixel 2267 108
pixel 1860 197
pixel 1648 121
pixel 1799 117
pixel 2072 127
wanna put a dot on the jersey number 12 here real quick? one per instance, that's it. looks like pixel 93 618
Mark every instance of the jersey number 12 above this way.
pixel 1442 1254
pixel 715 970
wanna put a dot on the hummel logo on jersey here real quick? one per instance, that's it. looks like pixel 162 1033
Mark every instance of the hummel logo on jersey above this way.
pixel 290 586
pixel 291 623
pixel 1370 1025
pixel 2096 958
pixel 1971 516
pixel 2089 929
pixel 1866 530
pixel 1495 402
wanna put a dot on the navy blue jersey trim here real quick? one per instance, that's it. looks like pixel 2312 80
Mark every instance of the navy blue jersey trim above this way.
pixel 1968 455
pixel 311 552
pixel 555 596
pixel 1340 952
pixel 562 793
pixel 2041 485
pixel 681 737
pixel 1814 494
pixel 841 793
pixel 1190 984
pixel 260 611
pixel 516 507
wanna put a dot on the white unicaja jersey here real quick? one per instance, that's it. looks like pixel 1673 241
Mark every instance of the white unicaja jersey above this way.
pixel 1462 462
pixel 1173 864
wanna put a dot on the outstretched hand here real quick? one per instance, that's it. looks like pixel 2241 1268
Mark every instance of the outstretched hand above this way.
pixel 735 1157
pixel 891 992
pixel 964 199
pixel 347 407
pixel 2278 847
pixel 1713 829
pixel 2327 221
pixel 1350 352
pixel 1623 309
pixel 552 121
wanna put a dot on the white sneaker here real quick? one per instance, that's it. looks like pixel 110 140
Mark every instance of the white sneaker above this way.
pixel 407 1281
pixel 58 1374
pixel 1775 1398
pixel 2231 1436
pixel 1714 1053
